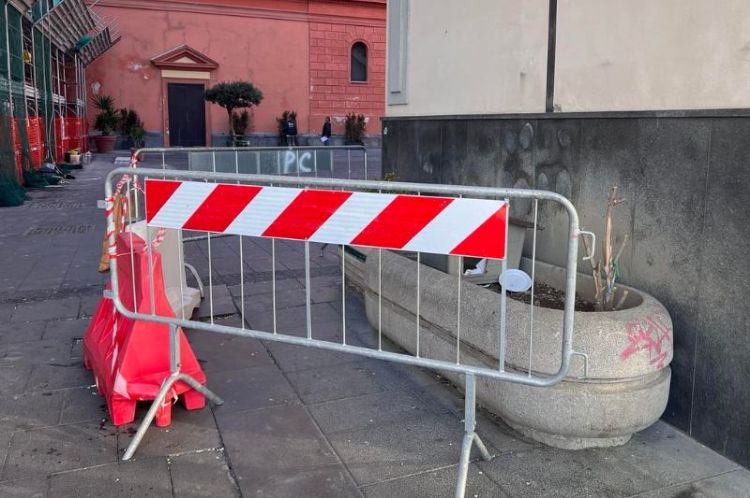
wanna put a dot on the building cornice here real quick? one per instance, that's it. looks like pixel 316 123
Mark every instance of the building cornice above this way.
pixel 216 8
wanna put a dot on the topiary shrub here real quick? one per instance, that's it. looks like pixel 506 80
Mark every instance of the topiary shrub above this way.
pixel 234 95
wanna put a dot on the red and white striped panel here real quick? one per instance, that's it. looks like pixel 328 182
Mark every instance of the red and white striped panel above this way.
pixel 442 225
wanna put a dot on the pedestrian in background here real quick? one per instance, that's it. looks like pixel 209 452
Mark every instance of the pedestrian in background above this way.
pixel 325 135
pixel 291 132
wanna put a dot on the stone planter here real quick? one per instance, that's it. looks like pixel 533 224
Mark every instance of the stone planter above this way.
pixel 628 352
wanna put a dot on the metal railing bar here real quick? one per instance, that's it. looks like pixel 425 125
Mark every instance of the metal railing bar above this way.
pixel 302 148
pixel 181 272
pixel 405 187
pixel 273 283
pixel 459 274
pixel 212 235
pixel 210 281
pixel 503 300
pixel 520 378
pixel 343 295
pixel 151 287
pixel 533 284
pixel 308 297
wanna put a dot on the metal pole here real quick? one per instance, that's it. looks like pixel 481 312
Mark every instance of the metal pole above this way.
pixel 533 277
pixel 343 294
pixel 210 279
pixel 458 310
pixel 419 272
pixel 273 281
pixel 175 361
pixel 175 376
pixel 181 271
pixel 380 299
pixel 308 306
pixel 470 437
pixel 150 415
pixel 503 299
pixel 174 367
pixel 151 291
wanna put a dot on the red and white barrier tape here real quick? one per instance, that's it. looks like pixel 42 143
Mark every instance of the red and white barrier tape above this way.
pixel 125 199
pixel 442 225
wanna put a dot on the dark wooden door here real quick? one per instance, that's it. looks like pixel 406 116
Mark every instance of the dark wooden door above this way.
pixel 187 115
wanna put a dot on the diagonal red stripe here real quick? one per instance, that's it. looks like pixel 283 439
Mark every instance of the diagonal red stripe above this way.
pixel 488 240
pixel 221 207
pixel 157 194
pixel 400 221
pixel 306 213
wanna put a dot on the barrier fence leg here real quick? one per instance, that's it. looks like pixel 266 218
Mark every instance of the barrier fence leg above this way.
pixel 174 377
pixel 470 437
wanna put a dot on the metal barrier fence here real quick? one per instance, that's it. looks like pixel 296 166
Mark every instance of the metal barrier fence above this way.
pixel 414 218
pixel 334 161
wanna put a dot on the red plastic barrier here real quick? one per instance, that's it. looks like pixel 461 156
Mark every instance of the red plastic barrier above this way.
pixel 62 138
pixel 71 134
pixel 35 134
pixel 130 358
pixel 81 139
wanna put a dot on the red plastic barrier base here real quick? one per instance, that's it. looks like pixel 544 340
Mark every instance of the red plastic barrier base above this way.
pixel 130 358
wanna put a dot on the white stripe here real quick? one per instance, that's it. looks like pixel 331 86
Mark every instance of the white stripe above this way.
pixel 262 211
pixel 453 225
pixel 352 217
pixel 180 207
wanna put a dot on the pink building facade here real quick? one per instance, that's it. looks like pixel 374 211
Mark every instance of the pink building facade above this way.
pixel 299 53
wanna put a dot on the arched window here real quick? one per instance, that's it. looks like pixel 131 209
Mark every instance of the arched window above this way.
pixel 359 62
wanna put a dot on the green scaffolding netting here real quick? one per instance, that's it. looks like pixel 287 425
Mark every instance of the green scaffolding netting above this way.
pixel 28 75
pixel 11 192
pixel 43 67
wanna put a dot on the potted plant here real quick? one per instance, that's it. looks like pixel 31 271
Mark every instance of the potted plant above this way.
pixel 240 124
pixel 131 127
pixel 107 122
pixel 354 129
pixel 624 333
pixel 74 157
pixel 234 95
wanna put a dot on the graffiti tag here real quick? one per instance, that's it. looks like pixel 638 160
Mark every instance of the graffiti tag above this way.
pixel 653 334
pixel 290 161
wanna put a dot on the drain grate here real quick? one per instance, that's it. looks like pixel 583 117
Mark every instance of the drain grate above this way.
pixel 58 205
pixel 58 230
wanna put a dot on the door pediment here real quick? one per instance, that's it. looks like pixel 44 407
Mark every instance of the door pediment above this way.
pixel 184 58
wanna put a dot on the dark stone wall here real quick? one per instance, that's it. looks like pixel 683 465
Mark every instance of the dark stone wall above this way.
pixel 686 180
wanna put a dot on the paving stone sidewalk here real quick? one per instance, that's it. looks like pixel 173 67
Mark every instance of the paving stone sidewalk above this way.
pixel 296 423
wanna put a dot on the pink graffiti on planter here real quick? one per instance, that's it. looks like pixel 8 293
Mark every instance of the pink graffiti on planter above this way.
pixel 651 333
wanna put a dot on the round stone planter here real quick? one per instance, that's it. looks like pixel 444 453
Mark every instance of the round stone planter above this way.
pixel 628 351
